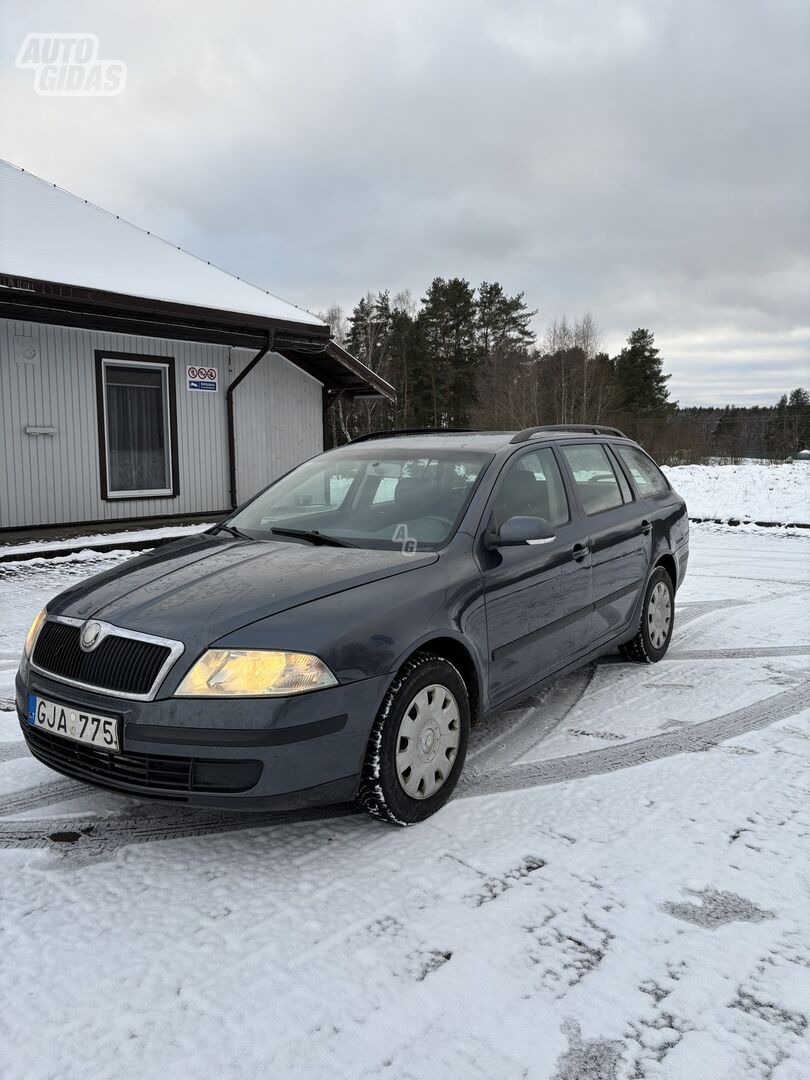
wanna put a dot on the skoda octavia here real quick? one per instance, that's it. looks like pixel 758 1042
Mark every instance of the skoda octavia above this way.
pixel 337 635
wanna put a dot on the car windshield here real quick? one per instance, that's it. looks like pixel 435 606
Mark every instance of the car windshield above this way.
pixel 369 498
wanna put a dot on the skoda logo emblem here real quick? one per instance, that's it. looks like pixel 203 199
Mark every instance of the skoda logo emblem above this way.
pixel 91 633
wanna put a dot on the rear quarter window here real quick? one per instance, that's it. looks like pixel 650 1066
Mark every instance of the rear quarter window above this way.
pixel 648 477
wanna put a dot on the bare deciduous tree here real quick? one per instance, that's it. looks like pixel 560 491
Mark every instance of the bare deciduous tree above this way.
pixel 336 320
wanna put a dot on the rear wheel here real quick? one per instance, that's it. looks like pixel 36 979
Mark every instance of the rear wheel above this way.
pixel 418 743
pixel 657 620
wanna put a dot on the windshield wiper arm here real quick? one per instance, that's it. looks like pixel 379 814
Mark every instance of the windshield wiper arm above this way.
pixel 219 527
pixel 314 537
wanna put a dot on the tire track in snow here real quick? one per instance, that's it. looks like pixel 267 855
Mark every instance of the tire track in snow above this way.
pixel 739 654
pixel 90 834
pixel 506 736
pixel 687 613
pixel 45 794
pixel 11 750
pixel 794 583
pixel 700 736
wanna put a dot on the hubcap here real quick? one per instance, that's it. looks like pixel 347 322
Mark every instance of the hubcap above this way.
pixel 427 741
pixel 659 615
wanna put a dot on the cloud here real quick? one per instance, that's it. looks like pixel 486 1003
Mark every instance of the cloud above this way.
pixel 646 161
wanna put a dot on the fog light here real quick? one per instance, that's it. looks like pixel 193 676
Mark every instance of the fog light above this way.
pixel 225 775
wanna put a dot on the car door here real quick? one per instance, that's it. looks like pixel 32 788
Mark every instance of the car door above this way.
pixel 619 536
pixel 537 595
pixel 667 506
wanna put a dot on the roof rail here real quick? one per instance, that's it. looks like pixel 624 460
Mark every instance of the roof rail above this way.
pixel 411 431
pixel 591 429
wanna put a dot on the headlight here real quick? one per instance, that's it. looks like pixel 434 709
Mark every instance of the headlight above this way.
pixel 254 673
pixel 33 633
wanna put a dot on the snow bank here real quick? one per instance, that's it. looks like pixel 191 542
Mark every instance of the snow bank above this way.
pixel 166 532
pixel 750 491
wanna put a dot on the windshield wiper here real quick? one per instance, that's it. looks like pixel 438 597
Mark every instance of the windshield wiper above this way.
pixel 219 527
pixel 314 537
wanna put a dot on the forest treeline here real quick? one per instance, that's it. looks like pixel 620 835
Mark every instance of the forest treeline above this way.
pixel 467 357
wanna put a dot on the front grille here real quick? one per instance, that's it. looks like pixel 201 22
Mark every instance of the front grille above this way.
pixel 122 664
pixel 167 777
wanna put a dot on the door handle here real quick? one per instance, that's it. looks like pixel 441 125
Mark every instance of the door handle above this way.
pixel 646 528
pixel 579 552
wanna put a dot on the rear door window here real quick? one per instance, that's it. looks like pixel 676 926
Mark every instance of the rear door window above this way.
pixel 595 479
pixel 648 477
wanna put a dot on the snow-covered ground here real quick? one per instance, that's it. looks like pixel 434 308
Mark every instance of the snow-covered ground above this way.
pixel 619 890
pixel 750 491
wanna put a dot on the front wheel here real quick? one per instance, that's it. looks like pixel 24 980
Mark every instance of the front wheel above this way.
pixel 418 743
pixel 657 620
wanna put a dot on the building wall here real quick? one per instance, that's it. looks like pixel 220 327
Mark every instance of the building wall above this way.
pixel 51 479
pixel 279 420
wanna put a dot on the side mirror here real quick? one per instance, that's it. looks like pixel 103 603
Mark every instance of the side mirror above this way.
pixel 522 530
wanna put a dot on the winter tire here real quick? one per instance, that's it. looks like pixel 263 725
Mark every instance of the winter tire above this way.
pixel 418 743
pixel 657 620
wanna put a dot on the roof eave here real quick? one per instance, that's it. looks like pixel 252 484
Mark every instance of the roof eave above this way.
pixel 307 345
pixel 98 301
pixel 385 389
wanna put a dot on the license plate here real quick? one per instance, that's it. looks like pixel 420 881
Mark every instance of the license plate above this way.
pixel 71 723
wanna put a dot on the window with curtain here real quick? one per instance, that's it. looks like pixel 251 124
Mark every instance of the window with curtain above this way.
pixel 136 418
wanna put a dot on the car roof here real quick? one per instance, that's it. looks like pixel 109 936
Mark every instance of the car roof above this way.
pixel 487 441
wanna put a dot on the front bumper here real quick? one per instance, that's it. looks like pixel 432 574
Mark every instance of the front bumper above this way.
pixel 247 753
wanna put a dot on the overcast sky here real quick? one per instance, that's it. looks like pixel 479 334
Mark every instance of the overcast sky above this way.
pixel 649 162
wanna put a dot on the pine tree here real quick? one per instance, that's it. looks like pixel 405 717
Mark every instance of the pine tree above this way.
pixel 789 430
pixel 640 379
pixel 799 410
pixel 503 338
pixel 447 325
pixel 501 320
pixel 369 331
pixel 368 337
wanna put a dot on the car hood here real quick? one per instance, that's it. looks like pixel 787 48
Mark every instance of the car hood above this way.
pixel 197 589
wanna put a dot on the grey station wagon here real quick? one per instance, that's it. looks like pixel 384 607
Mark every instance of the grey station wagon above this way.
pixel 337 635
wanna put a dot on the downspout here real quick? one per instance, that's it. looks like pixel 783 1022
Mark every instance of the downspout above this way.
pixel 329 399
pixel 231 425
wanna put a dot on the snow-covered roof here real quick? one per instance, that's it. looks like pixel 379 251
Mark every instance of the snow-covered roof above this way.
pixel 50 235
